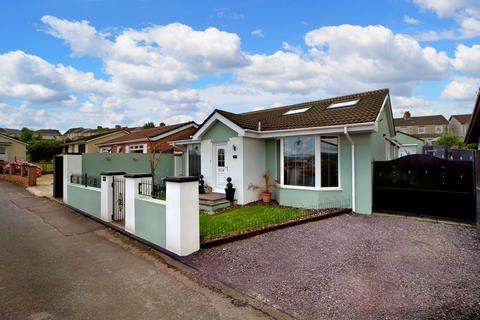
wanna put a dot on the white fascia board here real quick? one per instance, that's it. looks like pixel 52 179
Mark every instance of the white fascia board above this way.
pixel 169 133
pixel 121 142
pixel 218 117
pixel 339 129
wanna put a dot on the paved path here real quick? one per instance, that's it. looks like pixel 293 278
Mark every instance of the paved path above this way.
pixel 357 267
pixel 57 264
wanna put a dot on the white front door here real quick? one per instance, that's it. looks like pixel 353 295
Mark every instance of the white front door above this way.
pixel 220 170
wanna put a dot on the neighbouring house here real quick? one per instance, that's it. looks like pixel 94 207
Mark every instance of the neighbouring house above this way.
pixel 142 141
pixel 427 128
pixel 409 144
pixel 89 143
pixel 473 132
pixel 10 132
pixel 320 152
pixel 74 133
pixel 48 134
pixel 458 124
pixel 80 132
pixel 12 149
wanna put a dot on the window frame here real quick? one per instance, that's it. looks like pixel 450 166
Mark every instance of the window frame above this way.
pixel 423 129
pixel 439 129
pixel 318 173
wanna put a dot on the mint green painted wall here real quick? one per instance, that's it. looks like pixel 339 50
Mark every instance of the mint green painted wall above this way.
pixel 319 198
pixel 271 158
pixel 378 139
pixel 406 139
pixel 95 163
pixel 150 221
pixel 84 198
pixel 219 132
pixel 363 168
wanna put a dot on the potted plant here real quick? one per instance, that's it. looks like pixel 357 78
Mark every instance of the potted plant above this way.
pixel 267 185
pixel 229 190
pixel 201 185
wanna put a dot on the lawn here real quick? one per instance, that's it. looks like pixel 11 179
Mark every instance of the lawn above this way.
pixel 243 219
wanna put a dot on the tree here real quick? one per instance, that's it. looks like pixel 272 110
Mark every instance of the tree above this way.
pixel 154 156
pixel 26 134
pixel 149 125
pixel 43 149
pixel 451 140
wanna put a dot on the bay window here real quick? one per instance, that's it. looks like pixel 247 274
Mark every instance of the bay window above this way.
pixel 299 161
pixel 310 161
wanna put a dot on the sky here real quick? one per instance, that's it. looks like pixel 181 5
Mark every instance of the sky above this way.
pixel 86 63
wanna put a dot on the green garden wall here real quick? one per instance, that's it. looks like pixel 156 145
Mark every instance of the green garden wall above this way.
pixel 95 163
pixel 86 199
pixel 150 220
pixel 219 133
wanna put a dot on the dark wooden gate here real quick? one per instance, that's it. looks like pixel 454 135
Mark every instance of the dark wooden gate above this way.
pixel 118 213
pixel 425 185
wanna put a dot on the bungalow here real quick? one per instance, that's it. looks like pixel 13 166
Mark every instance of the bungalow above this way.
pixel 141 141
pixel 320 152
pixel 458 124
pixel 88 144
pixel 12 149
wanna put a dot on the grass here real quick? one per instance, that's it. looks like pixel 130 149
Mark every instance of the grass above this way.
pixel 240 220
pixel 47 167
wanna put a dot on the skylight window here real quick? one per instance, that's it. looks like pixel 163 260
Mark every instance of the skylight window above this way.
pixel 343 104
pixel 295 111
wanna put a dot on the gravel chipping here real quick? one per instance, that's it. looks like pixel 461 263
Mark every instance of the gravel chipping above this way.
pixel 356 267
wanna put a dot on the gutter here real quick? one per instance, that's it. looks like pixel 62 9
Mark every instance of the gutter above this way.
pixel 345 131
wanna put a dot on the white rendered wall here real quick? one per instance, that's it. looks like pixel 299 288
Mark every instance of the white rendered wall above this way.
pixel 253 168
pixel 206 161
pixel 72 164
pixel 182 218
pixel 235 166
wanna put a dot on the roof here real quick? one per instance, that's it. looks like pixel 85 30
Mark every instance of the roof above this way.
pixel 462 118
pixel 409 135
pixel 473 131
pixel 437 119
pixel 318 115
pixel 427 135
pixel 48 132
pixel 93 137
pixel 74 130
pixel 13 139
pixel 145 134
pixel 9 131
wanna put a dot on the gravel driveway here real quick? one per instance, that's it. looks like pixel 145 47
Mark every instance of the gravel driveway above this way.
pixel 357 267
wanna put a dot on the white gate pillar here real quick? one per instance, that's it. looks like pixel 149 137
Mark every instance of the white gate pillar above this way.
pixel 106 196
pixel 131 192
pixel 182 215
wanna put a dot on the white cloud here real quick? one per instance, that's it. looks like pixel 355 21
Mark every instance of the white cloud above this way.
pixel 436 35
pixel 258 33
pixel 411 20
pixel 467 59
pixel 461 89
pixel 465 12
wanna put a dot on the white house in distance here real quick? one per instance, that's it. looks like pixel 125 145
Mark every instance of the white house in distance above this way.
pixel 458 124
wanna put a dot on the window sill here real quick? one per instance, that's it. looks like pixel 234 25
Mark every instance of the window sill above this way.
pixel 310 188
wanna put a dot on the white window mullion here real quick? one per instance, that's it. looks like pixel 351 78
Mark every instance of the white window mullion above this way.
pixel 282 170
pixel 318 167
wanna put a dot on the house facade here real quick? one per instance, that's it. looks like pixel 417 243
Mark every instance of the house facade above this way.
pixel 48 134
pixel 320 153
pixel 458 124
pixel 12 149
pixel 427 128
pixel 88 144
pixel 142 141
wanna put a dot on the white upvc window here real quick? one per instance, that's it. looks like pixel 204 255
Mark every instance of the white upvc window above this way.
pixel 310 162
pixel 3 153
pixel 438 129
pixel 137 148
pixel 106 150
pixel 421 129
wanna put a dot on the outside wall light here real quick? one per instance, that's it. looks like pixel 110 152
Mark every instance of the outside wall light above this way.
pixel 234 148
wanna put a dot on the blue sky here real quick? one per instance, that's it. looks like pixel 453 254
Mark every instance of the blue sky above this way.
pixel 94 62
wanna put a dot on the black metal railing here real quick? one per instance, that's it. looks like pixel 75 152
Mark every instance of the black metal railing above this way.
pixel 157 190
pixel 85 180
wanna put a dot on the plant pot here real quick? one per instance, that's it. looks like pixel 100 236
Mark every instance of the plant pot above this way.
pixel 230 194
pixel 266 197
pixel 201 189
